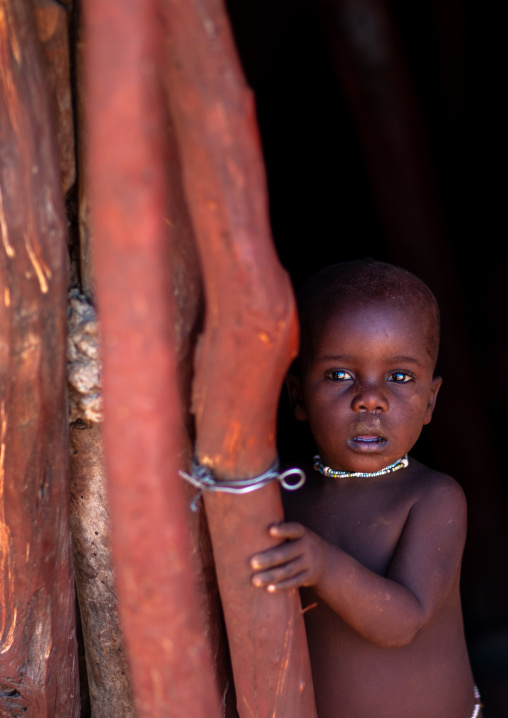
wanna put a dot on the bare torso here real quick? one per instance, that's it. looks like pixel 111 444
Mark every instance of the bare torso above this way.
pixel 354 677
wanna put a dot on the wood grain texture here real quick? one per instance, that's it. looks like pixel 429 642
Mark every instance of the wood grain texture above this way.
pixel 107 669
pixel 52 23
pixel 38 667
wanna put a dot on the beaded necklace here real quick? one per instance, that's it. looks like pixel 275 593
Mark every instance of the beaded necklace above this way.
pixel 327 471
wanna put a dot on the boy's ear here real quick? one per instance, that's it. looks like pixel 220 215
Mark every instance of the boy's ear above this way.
pixel 436 385
pixel 294 387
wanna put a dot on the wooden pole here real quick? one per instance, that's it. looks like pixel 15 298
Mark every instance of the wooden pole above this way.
pixel 167 647
pixel 38 666
pixel 108 675
pixel 249 340
pixel 52 22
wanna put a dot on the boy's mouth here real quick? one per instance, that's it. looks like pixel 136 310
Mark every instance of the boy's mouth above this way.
pixel 367 442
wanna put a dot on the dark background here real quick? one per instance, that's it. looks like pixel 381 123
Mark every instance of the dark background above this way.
pixel 327 205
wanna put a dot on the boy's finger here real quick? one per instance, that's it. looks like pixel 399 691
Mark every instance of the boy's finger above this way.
pixel 293 582
pixel 276 556
pixel 288 529
pixel 278 575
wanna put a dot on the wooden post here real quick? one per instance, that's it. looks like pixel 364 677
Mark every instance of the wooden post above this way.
pixel 250 338
pixel 52 23
pixel 106 663
pixel 167 647
pixel 38 666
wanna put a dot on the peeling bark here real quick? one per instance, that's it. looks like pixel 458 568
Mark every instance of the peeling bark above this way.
pixel 38 666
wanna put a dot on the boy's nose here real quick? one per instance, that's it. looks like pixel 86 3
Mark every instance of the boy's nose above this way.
pixel 370 398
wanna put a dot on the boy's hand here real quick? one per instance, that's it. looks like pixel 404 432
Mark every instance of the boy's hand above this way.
pixel 300 561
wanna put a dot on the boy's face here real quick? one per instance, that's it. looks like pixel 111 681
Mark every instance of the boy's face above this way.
pixel 366 386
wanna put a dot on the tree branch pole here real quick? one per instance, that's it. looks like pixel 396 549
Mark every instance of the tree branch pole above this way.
pixel 166 643
pixel 249 340
pixel 38 662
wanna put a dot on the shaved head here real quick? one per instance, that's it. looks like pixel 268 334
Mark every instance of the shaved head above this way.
pixel 365 281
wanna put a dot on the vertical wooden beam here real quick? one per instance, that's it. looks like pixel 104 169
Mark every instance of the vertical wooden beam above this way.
pixel 143 430
pixel 108 675
pixel 249 340
pixel 187 290
pixel 52 24
pixel 107 688
pixel 38 666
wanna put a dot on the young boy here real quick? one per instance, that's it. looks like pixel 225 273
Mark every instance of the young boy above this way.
pixel 374 539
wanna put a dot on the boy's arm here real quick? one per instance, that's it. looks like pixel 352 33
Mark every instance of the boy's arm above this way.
pixel 391 610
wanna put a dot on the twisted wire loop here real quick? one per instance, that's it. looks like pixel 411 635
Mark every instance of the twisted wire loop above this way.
pixel 204 479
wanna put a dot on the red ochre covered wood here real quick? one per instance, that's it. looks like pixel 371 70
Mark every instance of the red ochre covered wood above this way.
pixel 166 643
pixel 38 666
pixel 249 340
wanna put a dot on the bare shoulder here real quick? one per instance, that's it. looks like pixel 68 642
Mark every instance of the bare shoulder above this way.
pixel 440 494
pixel 430 482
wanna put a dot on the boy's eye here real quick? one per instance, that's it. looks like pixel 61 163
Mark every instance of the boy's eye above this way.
pixel 338 375
pixel 400 377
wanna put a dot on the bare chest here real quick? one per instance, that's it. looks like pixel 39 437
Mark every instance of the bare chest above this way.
pixel 364 521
